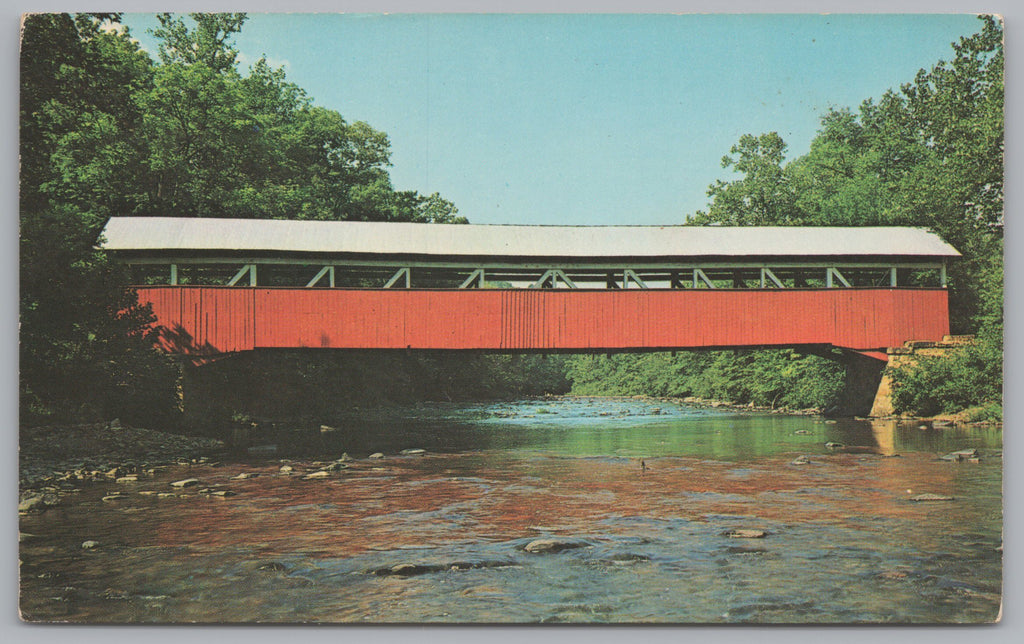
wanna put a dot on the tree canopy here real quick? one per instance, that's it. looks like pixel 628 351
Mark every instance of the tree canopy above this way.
pixel 929 154
pixel 106 130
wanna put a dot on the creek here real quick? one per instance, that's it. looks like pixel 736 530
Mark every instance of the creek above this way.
pixel 638 497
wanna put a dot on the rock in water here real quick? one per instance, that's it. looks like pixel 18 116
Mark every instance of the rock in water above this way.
pixel 408 570
pixel 376 455
pixel 800 460
pixel 35 503
pixel 89 545
pixel 316 475
pixel 745 533
pixel 185 483
pixel 857 449
pixel 834 445
pixel 961 455
pixel 541 546
pixel 413 452
pixel 928 496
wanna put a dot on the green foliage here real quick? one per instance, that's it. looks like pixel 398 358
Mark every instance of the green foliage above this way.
pixel 961 379
pixel 988 413
pixel 928 155
pixel 778 378
pixel 107 131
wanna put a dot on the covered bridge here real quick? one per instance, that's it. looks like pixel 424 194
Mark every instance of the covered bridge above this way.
pixel 225 285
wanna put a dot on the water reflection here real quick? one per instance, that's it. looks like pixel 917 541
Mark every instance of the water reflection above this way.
pixel 844 541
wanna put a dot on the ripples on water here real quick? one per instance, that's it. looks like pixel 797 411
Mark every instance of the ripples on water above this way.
pixel 844 544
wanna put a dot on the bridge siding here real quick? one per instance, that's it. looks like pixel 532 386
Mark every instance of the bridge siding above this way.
pixel 209 320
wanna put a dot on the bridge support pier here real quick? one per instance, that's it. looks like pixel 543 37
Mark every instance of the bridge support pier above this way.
pixel 860 386
pixel 909 354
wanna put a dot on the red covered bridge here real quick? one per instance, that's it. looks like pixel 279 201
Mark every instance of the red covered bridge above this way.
pixel 219 286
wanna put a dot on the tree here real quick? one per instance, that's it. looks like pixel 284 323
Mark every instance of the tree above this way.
pixel 105 130
pixel 763 196
pixel 927 155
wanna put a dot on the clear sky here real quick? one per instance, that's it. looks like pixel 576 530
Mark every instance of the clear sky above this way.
pixel 586 119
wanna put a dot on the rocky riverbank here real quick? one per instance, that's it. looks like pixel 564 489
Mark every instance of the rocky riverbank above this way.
pixel 58 456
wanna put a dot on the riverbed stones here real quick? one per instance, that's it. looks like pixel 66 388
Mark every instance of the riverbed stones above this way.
pixel 322 474
pixel 626 558
pixel 37 502
pixel 413 452
pixel 745 533
pixel 129 478
pixel 928 496
pixel 551 546
pixel 960 455
pixel 286 469
pixel 408 569
pixel 243 476
pixel 183 483
pixel 113 497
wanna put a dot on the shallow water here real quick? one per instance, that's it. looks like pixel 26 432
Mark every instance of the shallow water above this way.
pixel 844 543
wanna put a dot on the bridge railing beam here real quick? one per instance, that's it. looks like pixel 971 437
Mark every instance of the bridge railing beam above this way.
pixel 831 275
pixel 698 274
pixel 477 276
pixel 402 272
pixel 249 269
pixel 629 275
pixel 326 270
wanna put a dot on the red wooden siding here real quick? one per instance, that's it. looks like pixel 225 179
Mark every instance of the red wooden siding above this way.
pixel 210 320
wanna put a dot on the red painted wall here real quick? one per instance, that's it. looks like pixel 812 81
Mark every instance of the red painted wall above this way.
pixel 210 320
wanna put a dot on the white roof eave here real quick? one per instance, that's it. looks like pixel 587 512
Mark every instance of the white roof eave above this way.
pixel 185 234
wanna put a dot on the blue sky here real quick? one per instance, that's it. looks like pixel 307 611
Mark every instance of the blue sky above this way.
pixel 586 119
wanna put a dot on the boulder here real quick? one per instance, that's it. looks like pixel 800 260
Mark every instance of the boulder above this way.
pixel 545 546
pixel 745 533
pixel 34 503
pixel 928 496
pixel 90 544
pixel 960 455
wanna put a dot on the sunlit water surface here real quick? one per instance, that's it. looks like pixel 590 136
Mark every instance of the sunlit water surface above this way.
pixel 845 543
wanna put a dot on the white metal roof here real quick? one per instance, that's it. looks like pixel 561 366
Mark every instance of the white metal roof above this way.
pixel 184 234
